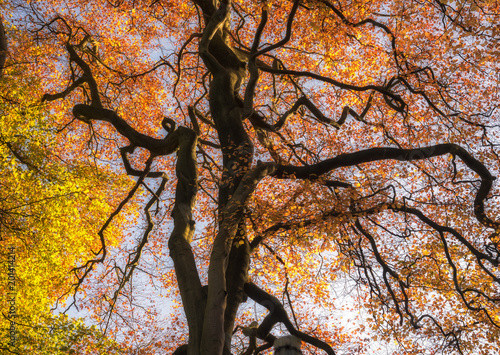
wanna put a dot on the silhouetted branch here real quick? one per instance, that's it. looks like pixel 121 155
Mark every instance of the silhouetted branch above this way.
pixel 378 154
pixel 278 314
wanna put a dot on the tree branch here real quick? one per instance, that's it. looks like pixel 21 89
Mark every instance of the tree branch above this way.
pixel 134 172
pixel 213 329
pixel 216 22
pixel 377 154
pixel 165 146
pixel 193 297
pixel 277 314
pixel 252 67
pixel 3 47
pixel 398 104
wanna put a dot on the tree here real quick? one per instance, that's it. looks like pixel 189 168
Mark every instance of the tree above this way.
pixel 313 142
pixel 61 335
pixel 50 212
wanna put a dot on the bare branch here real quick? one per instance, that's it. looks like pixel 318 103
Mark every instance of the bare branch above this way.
pixel 277 314
pixel 398 104
pixel 377 154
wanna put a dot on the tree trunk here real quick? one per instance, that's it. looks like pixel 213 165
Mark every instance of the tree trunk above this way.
pixel 3 47
pixel 288 345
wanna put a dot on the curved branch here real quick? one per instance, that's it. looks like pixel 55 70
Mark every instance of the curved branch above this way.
pixel 132 264
pixel 89 265
pixel 165 146
pixel 87 73
pixel 398 104
pixel 444 229
pixel 278 314
pixel 61 95
pixel 252 67
pixel 377 154
pixel 386 29
pixel 134 172
pixel 416 321
pixel 179 58
pixel 388 270
pixel 288 33
pixel 304 101
pixel 207 7
pixel 86 77
pixel 183 140
pixel 463 292
pixel 216 22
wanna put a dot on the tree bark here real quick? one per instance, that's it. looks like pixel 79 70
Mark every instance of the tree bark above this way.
pixel 3 47
pixel 229 259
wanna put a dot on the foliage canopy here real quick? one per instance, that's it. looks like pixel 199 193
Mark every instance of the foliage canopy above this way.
pixel 314 167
